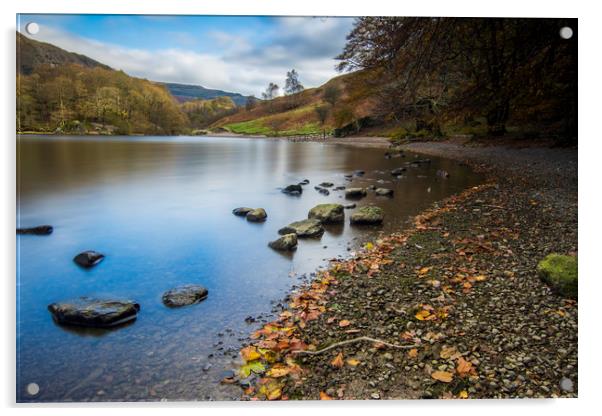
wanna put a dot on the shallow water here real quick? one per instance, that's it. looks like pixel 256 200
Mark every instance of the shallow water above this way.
pixel 159 208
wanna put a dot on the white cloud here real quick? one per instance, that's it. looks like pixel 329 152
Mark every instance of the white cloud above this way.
pixel 306 44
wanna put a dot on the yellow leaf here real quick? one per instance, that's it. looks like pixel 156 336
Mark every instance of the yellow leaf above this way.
pixel 424 271
pixel 274 394
pixel 324 396
pixel 480 278
pixel 338 361
pixel 353 362
pixel 278 371
pixel 344 323
pixel 463 394
pixel 249 353
pixel 369 246
pixel 422 315
pixel 443 376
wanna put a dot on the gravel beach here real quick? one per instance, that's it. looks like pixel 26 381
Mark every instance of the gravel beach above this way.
pixel 451 307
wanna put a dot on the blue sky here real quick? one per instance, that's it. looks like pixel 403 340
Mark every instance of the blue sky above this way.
pixel 234 53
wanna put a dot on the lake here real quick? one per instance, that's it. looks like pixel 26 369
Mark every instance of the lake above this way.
pixel 160 209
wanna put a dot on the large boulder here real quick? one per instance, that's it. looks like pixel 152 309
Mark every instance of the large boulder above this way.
pixel 355 193
pixel 305 228
pixel 383 192
pixel 327 213
pixel 184 295
pixel 368 215
pixel 257 215
pixel 39 230
pixel 287 242
pixel 560 273
pixel 88 258
pixel 241 211
pixel 96 313
pixel 294 189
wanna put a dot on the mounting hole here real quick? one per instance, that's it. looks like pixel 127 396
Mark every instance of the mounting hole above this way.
pixel 566 32
pixel 32 389
pixel 32 28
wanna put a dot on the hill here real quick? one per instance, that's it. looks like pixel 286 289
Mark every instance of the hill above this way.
pixel 186 92
pixel 32 54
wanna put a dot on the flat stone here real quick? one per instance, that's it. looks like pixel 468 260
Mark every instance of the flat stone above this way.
pixel 88 258
pixel 327 213
pixel 241 211
pixel 294 189
pixel 370 215
pixel 91 312
pixel 355 193
pixel 304 228
pixel 39 230
pixel 184 295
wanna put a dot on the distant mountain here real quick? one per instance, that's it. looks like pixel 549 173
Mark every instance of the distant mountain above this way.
pixel 185 92
pixel 31 54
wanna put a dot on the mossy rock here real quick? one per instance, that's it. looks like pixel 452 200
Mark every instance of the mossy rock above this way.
pixel 368 215
pixel 327 213
pixel 560 272
pixel 306 228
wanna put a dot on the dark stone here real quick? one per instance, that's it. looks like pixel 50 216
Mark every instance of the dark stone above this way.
pixel 355 193
pixel 184 295
pixel 39 230
pixel 88 259
pixel 293 190
pixel 350 206
pixel 304 182
pixel 242 211
pixel 398 171
pixel 359 173
pixel 326 184
pixel 96 313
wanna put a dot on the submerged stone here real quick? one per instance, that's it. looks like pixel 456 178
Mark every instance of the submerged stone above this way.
pixel 304 228
pixel 241 211
pixel 184 295
pixel 287 242
pixel 355 193
pixel 560 273
pixel 327 213
pixel 368 215
pixel 295 189
pixel 39 230
pixel 88 258
pixel 96 313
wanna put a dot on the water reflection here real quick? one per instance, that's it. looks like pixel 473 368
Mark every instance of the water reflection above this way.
pixel 160 210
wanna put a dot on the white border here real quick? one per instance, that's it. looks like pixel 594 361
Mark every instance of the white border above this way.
pixel 590 135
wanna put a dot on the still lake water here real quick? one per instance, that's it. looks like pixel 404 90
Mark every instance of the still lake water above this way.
pixel 159 208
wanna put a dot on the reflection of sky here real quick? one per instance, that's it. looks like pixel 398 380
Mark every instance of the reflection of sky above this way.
pixel 161 212
pixel 251 51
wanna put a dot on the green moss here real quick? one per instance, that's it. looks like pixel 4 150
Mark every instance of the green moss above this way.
pixel 560 272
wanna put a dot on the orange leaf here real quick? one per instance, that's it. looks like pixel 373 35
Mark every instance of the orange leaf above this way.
pixel 424 271
pixel 353 362
pixel 413 353
pixel 338 361
pixel 344 323
pixel 422 315
pixel 443 376
pixel 464 367
pixel 324 396
pixel 249 353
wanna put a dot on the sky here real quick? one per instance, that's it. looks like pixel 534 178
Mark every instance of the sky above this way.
pixel 232 53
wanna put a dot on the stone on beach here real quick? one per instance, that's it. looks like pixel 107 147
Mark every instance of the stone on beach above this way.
pixel 96 313
pixel 184 295
pixel 287 242
pixel 304 228
pixel 368 215
pixel 257 215
pixel 327 213
pixel 88 258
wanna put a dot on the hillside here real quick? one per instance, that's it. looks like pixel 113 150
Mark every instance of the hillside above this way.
pixel 343 100
pixel 32 54
pixel 185 92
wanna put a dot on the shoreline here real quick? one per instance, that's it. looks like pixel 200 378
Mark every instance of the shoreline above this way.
pixel 434 295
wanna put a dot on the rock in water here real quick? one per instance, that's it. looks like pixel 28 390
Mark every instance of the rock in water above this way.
pixel 184 295
pixel 96 313
pixel 383 192
pixel 304 182
pixel 326 184
pixel 327 213
pixel 560 272
pixel 293 190
pixel 355 193
pixel 350 206
pixel 241 211
pixel 88 258
pixel 287 242
pixel 257 215
pixel 443 173
pixel 368 215
pixel 398 171
pixel 39 230
pixel 304 228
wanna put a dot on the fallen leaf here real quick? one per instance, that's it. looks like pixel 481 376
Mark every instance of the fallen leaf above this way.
pixel 413 353
pixel 422 315
pixel 338 361
pixel 249 353
pixel 424 271
pixel 369 246
pixel 353 362
pixel 324 396
pixel 448 352
pixel 278 371
pixel 274 394
pixel 463 394
pixel 252 366
pixel 443 376
pixel 464 367
pixel 343 323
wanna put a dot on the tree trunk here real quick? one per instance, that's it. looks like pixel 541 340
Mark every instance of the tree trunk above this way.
pixel 497 116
